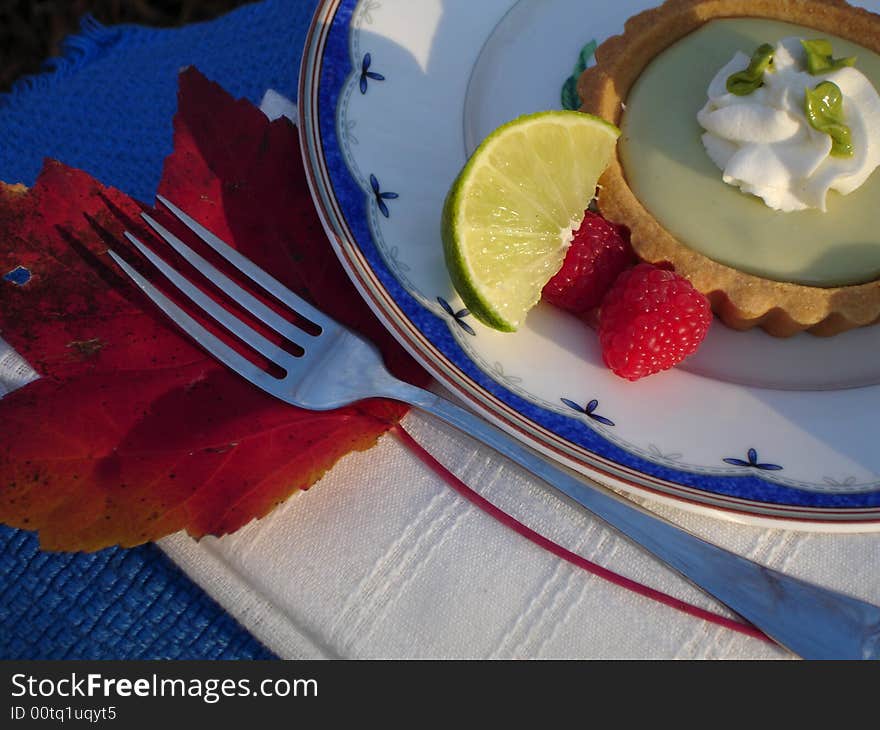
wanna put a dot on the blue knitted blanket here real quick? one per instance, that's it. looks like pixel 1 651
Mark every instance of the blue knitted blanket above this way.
pixel 106 106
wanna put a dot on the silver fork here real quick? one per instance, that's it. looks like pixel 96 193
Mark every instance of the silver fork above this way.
pixel 338 367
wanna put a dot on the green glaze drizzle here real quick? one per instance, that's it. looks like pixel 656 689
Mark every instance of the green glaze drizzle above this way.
pixel 743 83
pixel 823 106
pixel 819 57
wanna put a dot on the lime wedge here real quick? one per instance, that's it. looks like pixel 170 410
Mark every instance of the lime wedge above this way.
pixel 509 216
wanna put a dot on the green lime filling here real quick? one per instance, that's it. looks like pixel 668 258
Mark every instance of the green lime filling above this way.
pixel 667 167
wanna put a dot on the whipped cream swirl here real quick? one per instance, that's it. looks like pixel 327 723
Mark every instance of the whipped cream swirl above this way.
pixel 765 145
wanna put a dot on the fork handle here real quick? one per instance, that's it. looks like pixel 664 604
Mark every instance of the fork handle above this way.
pixel 811 621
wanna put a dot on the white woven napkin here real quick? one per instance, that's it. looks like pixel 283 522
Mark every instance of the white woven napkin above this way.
pixel 381 559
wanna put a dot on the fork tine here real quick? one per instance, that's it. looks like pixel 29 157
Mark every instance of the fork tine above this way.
pixel 245 333
pixel 250 269
pixel 281 325
pixel 206 339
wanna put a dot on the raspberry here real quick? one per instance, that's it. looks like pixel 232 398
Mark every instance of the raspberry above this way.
pixel 650 320
pixel 598 253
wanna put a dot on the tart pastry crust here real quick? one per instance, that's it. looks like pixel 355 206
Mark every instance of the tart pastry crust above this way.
pixel 740 300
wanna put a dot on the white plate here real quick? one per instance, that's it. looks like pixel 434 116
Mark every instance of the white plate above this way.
pixel 393 96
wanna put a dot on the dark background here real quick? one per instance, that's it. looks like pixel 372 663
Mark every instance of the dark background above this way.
pixel 32 30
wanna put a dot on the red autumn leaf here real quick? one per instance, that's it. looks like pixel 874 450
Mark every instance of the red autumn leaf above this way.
pixel 133 432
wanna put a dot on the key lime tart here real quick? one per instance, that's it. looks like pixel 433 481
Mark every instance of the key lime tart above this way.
pixel 750 134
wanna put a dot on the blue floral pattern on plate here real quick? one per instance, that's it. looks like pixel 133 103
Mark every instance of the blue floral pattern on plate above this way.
pixel 589 411
pixel 366 74
pixel 752 462
pixel 380 197
pixel 457 316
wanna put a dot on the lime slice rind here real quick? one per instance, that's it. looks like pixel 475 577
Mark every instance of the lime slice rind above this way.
pixel 509 216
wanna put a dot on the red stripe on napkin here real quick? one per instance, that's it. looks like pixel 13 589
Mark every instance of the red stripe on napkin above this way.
pixel 511 522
